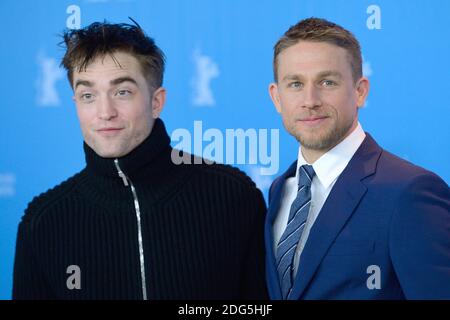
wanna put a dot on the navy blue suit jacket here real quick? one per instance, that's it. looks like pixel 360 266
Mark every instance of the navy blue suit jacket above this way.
pixel 383 233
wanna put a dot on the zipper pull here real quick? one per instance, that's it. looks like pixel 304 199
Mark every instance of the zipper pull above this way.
pixel 121 174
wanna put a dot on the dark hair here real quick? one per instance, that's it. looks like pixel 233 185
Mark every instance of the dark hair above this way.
pixel 100 39
pixel 321 30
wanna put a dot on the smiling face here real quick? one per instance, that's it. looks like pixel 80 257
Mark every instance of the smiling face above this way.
pixel 115 104
pixel 317 96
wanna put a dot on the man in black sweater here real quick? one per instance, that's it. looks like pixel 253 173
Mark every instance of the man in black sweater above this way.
pixel 133 224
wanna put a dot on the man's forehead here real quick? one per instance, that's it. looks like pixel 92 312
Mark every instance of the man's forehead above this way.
pixel 107 68
pixel 114 62
pixel 318 74
pixel 307 52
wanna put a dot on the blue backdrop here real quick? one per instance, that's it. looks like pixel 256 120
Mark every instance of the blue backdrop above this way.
pixel 219 64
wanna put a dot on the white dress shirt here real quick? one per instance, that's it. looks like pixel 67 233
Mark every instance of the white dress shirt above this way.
pixel 328 168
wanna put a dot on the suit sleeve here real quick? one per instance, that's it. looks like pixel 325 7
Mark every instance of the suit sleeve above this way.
pixel 272 188
pixel 420 239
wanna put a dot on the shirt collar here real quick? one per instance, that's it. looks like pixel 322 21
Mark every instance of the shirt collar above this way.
pixel 330 165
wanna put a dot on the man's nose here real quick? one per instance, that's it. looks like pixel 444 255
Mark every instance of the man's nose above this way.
pixel 312 97
pixel 106 109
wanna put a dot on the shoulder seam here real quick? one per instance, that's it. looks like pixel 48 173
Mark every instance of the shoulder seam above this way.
pixel 228 171
pixel 46 199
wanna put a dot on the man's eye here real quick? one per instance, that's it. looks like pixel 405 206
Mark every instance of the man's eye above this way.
pixel 86 96
pixel 123 93
pixel 295 84
pixel 328 83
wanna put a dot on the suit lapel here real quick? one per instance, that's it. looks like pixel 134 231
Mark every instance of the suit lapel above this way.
pixel 339 206
pixel 275 195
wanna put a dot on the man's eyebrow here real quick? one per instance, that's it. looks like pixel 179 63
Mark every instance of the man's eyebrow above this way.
pixel 122 79
pixel 322 74
pixel 85 83
pixel 330 73
pixel 291 77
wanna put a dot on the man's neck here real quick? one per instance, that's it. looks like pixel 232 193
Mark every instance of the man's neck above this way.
pixel 311 155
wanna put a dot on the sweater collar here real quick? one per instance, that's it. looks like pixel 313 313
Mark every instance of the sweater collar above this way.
pixel 143 156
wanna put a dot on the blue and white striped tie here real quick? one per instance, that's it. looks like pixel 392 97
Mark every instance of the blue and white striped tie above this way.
pixel 297 219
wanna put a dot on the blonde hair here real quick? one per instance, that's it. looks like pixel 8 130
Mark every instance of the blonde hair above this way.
pixel 321 30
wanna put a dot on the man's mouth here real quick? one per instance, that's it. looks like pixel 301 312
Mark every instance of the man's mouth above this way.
pixel 313 120
pixel 109 131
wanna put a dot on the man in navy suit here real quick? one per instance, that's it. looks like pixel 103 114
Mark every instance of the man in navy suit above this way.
pixel 347 220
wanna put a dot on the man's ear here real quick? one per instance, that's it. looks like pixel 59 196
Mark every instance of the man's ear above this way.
pixel 362 91
pixel 158 101
pixel 273 92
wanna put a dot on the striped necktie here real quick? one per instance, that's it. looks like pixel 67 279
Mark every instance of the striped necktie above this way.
pixel 291 236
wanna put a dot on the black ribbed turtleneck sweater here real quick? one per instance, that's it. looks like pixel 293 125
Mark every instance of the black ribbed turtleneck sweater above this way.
pixel 200 234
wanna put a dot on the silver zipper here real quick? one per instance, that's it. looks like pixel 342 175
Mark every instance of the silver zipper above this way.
pixel 127 180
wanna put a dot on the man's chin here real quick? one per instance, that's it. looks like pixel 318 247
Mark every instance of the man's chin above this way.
pixel 109 152
pixel 317 143
pixel 323 142
pixel 316 146
pixel 108 155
